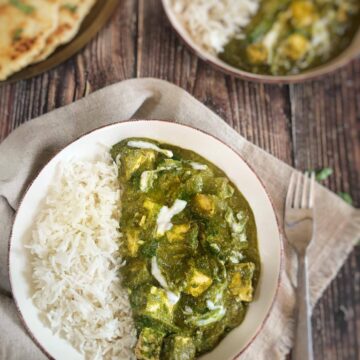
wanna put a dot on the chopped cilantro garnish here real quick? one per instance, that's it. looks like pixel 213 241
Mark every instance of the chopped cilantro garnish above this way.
pixel 25 8
pixel 70 7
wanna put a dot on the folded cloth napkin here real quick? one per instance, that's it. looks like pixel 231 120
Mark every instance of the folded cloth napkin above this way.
pixel 28 148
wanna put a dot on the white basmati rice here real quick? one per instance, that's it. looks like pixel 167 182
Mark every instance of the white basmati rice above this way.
pixel 75 259
pixel 212 23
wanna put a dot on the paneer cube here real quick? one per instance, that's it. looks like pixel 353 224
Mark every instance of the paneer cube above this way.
pixel 197 282
pixel 135 273
pixel 148 346
pixel 185 235
pixel 133 160
pixel 303 13
pixel 240 284
pixel 132 242
pixel 216 310
pixel 257 54
pixel 208 337
pixel 296 46
pixel 158 308
pixel 204 204
pixel 178 347
pixel 152 211
pixel 223 189
pixel 152 207
pixel 177 232
pixel 194 185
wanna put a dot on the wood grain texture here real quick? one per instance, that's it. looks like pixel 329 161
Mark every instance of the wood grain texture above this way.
pixel 325 118
pixel 309 125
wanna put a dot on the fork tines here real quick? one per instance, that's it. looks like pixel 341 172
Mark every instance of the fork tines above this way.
pixel 300 193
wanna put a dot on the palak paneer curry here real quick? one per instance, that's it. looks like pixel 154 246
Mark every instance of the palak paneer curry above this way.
pixel 289 36
pixel 190 245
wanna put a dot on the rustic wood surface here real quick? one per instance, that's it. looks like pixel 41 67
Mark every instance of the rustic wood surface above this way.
pixel 310 125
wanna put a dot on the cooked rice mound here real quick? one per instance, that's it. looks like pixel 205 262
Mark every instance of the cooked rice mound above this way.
pixel 75 261
pixel 212 23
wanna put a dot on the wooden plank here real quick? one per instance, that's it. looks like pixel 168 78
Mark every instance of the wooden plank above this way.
pixel 108 58
pixel 326 127
pixel 336 316
pixel 325 123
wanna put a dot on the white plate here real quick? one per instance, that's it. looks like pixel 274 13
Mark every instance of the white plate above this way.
pixel 186 137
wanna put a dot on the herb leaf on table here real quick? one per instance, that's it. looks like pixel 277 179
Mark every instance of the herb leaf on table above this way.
pixel 323 174
pixel 346 197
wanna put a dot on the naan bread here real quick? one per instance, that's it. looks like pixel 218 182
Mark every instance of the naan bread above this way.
pixel 71 15
pixel 24 27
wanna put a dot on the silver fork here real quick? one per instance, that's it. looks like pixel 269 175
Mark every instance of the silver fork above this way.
pixel 299 228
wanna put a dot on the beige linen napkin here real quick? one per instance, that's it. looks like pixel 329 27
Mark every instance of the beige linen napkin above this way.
pixel 28 148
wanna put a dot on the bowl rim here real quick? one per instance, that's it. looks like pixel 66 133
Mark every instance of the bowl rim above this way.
pixel 279 229
pixel 311 74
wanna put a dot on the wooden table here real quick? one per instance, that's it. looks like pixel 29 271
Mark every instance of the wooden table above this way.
pixel 313 125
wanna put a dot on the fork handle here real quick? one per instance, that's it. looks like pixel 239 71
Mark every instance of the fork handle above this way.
pixel 303 348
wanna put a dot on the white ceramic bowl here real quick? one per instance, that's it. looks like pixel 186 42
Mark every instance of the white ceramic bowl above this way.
pixel 186 137
pixel 342 59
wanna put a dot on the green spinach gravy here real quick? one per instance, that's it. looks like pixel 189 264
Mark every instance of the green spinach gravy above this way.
pixel 190 244
pixel 287 37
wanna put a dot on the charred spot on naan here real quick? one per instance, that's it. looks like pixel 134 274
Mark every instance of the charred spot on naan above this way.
pixel 24 28
pixel 22 46
pixel 58 32
pixel 71 15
